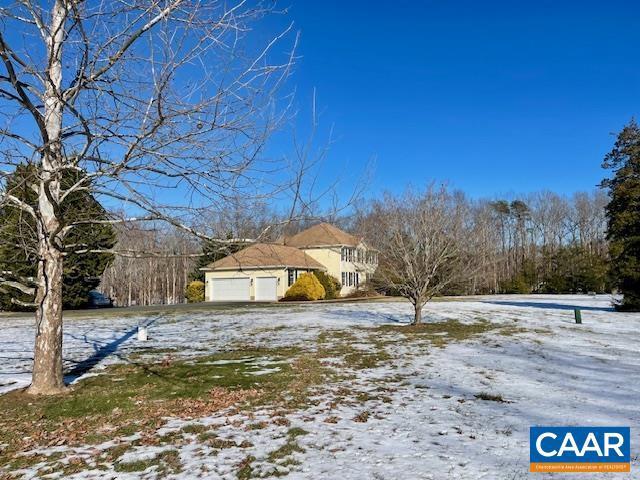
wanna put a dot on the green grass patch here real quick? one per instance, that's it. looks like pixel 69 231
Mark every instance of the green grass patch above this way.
pixel 441 333
pixel 342 344
pixel 131 398
pixel 168 462
pixel 490 397
pixel 284 451
pixel 194 428
pixel 283 456
pixel 296 432
pixel 245 471
pixel 124 387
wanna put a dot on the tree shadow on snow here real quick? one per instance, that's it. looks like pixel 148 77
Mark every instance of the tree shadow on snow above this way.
pixel 373 317
pixel 548 305
pixel 593 385
pixel 101 351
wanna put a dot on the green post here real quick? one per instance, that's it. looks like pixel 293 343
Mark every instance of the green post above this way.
pixel 578 315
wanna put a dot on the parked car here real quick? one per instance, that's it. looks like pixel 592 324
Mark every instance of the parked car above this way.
pixel 99 300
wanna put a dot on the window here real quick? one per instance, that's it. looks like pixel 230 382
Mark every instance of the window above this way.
pixel 292 276
pixel 344 279
pixel 351 255
pixel 350 279
pixel 357 279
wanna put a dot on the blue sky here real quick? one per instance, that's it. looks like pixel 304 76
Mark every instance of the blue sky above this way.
pixel 493 97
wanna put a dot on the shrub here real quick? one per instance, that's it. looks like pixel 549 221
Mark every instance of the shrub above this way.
pixel 307 287
pixel 518 284
pixel 384 285
pixel 363 291
pixel 195 292
pixel 330 283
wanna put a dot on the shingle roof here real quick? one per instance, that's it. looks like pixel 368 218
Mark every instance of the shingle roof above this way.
pixel 263 255
pixel 321 235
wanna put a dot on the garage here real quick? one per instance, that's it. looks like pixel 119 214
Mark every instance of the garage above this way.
pixel 258 272
pixel 230 289
pixel 266 288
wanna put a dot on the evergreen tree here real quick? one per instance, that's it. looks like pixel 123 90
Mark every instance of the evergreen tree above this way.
pixel 623 214
pixel 574 269
pixel 18 242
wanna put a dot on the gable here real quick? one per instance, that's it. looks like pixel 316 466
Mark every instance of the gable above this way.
pixel 263 255
pixel 322 234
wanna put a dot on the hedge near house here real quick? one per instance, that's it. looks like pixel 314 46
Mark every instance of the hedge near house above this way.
pixel 330 283
pixel 195 292
pixel 307 287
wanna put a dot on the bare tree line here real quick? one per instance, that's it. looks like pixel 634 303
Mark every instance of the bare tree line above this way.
pixel 149 279
pixel 540 242
pixel 531 232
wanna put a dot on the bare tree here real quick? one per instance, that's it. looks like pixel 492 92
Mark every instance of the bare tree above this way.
pixel 163 106
pixel 155 279
pixel 424 244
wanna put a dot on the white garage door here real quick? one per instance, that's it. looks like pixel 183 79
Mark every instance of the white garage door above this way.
pixel 229 289
pixel 266 288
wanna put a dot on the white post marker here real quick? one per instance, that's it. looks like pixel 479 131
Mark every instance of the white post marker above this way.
pixel 142 333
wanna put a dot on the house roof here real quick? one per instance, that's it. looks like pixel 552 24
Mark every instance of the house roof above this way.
pixel 263 255
pixel 322 234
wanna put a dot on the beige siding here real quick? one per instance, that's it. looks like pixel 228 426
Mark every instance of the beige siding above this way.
pixel 280 274
pixel 331 258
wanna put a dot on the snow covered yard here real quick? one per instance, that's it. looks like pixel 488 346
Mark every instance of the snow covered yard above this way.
pixel 322 391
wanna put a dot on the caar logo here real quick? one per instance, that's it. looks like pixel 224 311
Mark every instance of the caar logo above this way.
pixel 580 449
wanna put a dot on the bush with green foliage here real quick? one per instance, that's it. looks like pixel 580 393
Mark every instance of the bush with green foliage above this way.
pixel 384 286
pixel 330 283
pixel 364 290
pixel 517 284
pixel 195 292
pixel 306 288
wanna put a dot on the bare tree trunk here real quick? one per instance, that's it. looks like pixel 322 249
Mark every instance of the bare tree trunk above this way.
pixel 47 365
pixel 47 361
pixel 417 315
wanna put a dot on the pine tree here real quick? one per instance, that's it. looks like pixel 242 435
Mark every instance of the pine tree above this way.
pixel 18 242
pixel 623 214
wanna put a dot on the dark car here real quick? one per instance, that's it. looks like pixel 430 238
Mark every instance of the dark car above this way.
pixel 99 300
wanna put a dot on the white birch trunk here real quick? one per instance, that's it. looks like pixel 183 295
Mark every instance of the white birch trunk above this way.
pixel 47 366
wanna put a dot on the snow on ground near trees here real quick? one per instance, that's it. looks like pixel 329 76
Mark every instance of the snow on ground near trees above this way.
pixel 432 426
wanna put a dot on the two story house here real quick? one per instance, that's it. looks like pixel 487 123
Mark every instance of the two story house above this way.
pixel 345 256
pixel 264 271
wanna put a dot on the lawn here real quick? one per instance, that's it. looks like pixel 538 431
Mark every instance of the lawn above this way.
pixel 323 391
